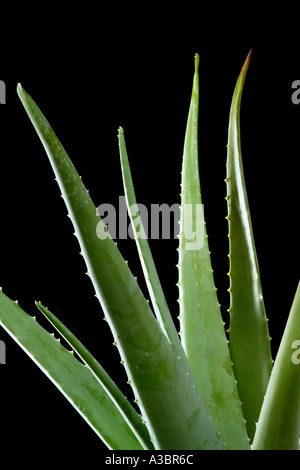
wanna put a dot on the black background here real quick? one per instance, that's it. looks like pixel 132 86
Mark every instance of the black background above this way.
pixel 90 73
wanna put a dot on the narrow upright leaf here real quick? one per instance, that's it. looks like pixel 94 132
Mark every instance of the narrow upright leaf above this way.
pixel 278 427
pixel 156 293
pixel 163 390
pixel 73 379
pixel 202 328
pixel 249 337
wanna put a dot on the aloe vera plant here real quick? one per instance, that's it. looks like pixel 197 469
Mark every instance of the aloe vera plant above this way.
pixel 199 389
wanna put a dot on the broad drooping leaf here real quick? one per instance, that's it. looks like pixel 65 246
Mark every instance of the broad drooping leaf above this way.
pixel 132 418
pixel 72 378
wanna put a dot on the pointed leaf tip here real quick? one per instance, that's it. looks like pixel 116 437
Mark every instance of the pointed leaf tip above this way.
pixel 20 89
pixel 246 63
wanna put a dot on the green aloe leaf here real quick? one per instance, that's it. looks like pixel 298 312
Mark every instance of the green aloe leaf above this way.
pixel 163 390
pixel 278 427
pixel 157 296
pixel 248 332
pixel 202 328
pixel 125 408
pixel 72 378
pixel 150 273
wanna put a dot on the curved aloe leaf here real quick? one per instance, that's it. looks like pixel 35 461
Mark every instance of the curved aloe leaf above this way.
pixel 248 332
pixel 202 328
pixel 278 427
pixel 163 390
pixel 71 377
pixel 132 418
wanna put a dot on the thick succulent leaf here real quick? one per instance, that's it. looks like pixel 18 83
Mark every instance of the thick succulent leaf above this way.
pixel 126 409
pixel 278 427
pixel 156 293
pixel 202 328
pixel 72 378
pixel 163 390
pixel 248 333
